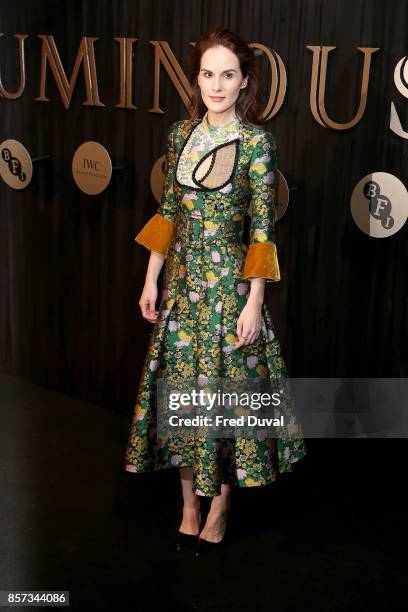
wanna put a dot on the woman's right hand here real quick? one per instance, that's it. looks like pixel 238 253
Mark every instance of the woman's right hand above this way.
pixel 147 301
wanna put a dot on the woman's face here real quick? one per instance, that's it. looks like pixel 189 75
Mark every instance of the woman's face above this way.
pixel 220 79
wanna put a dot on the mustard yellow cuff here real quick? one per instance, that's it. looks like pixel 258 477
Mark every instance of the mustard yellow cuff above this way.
pixel 157 234
pixel 262 261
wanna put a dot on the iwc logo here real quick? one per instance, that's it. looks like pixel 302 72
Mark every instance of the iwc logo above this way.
pixel 92 168
pixel 379 204
pixel 16 168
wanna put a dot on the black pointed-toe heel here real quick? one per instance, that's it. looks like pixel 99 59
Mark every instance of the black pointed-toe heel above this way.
pixel 185 540
pixel 204 546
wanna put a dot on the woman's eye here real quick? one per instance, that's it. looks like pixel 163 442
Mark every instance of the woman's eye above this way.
pixel 228 75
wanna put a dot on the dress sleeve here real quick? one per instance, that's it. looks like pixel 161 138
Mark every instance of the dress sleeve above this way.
pixel 157 234
pixel 261 259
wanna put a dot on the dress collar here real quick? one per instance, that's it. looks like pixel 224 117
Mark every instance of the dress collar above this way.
pixel 209 129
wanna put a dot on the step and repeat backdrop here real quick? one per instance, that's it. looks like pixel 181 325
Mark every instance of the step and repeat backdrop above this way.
pixel 88 90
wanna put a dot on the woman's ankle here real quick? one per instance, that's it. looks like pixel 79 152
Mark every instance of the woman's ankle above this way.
pixel 218 513
pixel 191 519
pixel 220 508
pixel 192 504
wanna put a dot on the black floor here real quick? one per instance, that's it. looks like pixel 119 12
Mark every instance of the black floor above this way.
pixel 331 536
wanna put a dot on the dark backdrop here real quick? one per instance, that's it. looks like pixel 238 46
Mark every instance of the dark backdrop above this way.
pixel 71 274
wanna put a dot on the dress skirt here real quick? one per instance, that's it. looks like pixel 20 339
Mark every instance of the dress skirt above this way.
pixel 203 295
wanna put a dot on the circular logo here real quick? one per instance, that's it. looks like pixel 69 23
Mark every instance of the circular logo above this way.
pixel 16 167
pixel 157 177
pixel 91 167
pixel 379 204
pixel 282 196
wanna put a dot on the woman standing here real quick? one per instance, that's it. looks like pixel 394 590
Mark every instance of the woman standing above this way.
pixel 212 321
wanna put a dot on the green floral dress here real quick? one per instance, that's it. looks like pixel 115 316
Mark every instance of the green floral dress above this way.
pixel 214 176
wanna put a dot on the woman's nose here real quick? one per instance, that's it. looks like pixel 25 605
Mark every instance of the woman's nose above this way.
pixel 216 84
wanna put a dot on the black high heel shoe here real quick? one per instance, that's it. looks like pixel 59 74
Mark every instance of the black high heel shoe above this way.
pixel 187 540
pixel 205 546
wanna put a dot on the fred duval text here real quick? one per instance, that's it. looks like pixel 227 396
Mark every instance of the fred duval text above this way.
pixel 206 421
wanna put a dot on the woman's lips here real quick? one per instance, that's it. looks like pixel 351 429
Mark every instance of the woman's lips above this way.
pixel 216 98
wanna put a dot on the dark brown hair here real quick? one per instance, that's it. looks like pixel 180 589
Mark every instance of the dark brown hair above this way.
pixel 249 99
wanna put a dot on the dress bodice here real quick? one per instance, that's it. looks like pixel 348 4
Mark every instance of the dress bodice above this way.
pixel 213 175
pixel 203 139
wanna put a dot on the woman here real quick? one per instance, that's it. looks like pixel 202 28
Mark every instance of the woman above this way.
pixel 212 321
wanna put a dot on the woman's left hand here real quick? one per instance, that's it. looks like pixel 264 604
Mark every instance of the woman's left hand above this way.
pixel 249 324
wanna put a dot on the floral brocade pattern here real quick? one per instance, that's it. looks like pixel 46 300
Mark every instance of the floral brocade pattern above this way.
pixel 203 295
